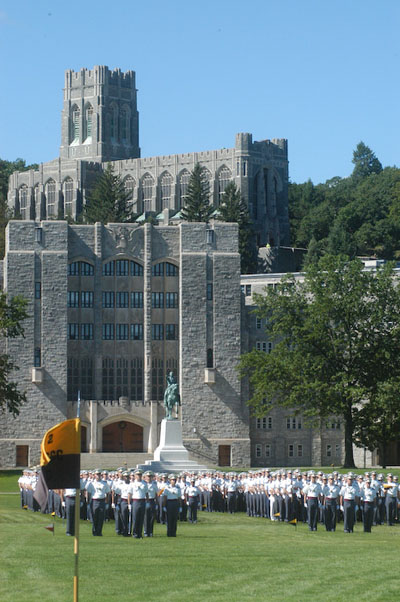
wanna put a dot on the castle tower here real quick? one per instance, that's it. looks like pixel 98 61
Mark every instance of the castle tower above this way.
pixel 100 121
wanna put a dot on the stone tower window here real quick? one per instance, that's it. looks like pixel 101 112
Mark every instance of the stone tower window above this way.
pixel 114 122
pixel 88 122
pixel 224 177
pixel 147 191
pixel 51 198
pixel 75 124
pixel 166 187
pixel 129 187
pixel 124 124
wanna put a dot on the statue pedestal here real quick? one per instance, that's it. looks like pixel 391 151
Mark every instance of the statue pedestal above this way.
pixel 171 448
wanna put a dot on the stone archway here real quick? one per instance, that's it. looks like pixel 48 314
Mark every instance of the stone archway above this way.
pixel 122 436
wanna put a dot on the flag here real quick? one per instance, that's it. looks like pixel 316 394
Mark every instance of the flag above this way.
pixel 60 459
pixel 50 528
pixel 277 514
pixel 293 522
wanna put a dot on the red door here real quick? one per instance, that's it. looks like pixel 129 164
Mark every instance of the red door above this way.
pixel 122 436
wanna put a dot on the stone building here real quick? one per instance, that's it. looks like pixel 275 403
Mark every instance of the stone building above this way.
pixel 100 124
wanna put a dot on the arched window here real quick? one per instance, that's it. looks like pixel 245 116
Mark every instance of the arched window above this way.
pixel 68 190
pixel 38 201
pixel 224 177
pixel 75 124
pixel 147 191
pixel 23 202
pixel 183 187
pixel 114 122
pixel 124 124
pixel 51 198
pixel 129 187
pixel 165 190
pixel 88 121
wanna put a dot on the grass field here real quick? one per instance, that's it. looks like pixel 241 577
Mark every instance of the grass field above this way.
pixel 222 558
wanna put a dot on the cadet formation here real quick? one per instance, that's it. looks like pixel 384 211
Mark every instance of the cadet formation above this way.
pixel 135 500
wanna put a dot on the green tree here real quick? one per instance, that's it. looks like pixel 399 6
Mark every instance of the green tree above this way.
pixel 12 313
pixel 108 200
pixel 198 208
pixel 365 162
pixel 233 209
pixel 336 338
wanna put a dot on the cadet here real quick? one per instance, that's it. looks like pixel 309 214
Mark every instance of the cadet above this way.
pixel 122 511
pixel 99 491
pixel 331 494
pixel 68 498
pixel 368 497
pixel 348 499
pixel 312 491
pixel 192 500
pixel 137 496
pixel 151 501
pixel 171 502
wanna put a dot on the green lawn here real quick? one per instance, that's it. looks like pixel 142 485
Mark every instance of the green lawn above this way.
pixel 223 557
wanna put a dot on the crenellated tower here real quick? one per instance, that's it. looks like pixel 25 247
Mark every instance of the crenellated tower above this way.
pixel 100 120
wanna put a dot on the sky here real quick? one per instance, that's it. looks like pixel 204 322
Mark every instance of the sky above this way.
pixel 322 73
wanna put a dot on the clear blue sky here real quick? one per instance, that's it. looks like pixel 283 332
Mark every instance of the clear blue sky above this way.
pixel 322 73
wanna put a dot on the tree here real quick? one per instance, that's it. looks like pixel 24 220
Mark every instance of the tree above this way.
pixel 197 207
pixel 108 200
pixel 336 339
pixel 365 162
pixel 233 209
pixel 11 315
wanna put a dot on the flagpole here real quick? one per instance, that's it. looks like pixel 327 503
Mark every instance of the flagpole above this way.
pixel 77 512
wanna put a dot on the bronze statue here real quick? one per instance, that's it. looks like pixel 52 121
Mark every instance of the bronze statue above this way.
pixel 171 396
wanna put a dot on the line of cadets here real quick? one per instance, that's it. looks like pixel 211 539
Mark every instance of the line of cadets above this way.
pixel 136 500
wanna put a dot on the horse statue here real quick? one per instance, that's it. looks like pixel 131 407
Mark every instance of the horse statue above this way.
pixel 171 396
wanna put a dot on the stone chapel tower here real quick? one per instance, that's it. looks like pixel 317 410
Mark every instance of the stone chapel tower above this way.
pixel 100 121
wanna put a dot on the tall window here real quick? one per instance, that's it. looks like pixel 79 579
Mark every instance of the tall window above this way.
pixel 51 198
pixel 137 332
pixel 224 177
pixel 293 422
pixel 108 332
pixel 108 299
pixel 114 122
pixel 129 187
pixel 122 378
pixel 258 450
pixel 171 300
pixel 137 300
pixel 122 266
pixel 38 201
pixel 86 298
pixel 76 124
pixel 147 191
pixel 122 299
pixel 157 332
pixel 122 332
pixel 88 121
pixel 68 191
pixel 73 299
pixel 171 332
pixel 183 188
pixel 87 332
pixel 157 300
pixel 108 378
pixel 23 202
pixel 136 379
pixel 157 379
pixel 124 124
pixel 166 189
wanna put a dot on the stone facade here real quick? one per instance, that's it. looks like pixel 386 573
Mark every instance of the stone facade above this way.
pixel 111 309
pixel 100 124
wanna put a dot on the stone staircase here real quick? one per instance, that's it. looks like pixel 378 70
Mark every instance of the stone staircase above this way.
pixel 113 460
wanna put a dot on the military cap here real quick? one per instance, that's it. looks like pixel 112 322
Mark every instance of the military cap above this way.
pixel 138 471
pixel 149 473
pixel 97 471
pixel 125 473
pixel 172 476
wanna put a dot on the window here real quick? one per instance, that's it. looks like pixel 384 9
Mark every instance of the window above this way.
pixel 209 291
pixel 299 451
pixel 171 269
pixel 38 290
pixel 73 269
pixel 209 237
pixel 121 378
pixel 108 378
pixel 86 298
pixel 171 300
pixel 258 323
pixel 333 425
pixel 147 191
pixel 291 450
pixel 86 332
pixel 122 267
pixel 157 379
pixel 108 269
pixel 122 332
pixel 73 299
pixel 108 298
pixel 122 299
pixel 157 300
pixel 68 190
pixel 157 269
pixel 38 235
pixel 136 379
pixel 264 423
pixel 37 357
pixel 137 300
pixel 124 122
pixel 165 191
pixel 129 187
pixel 51 198
pixel 293 422
pixel 89 121
pixel 258 450
pixel 23 202
pixel 73 332
pixel 268 450
pixel 183 187
pixel 210 358
pixel 108 332
pixel 338 450
pixel 264 346
pixel 136 269
pixel 329 451
pixel 157 332
pixel 75 129
pixel 248 290
pixel 224 178
pixel 137 332
pixel 113 122
pixel 82 268
pixel 171 332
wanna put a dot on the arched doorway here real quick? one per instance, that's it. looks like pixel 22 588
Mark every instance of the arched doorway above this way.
pixel 122 436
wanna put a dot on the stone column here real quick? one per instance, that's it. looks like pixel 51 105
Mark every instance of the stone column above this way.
pixel 147 312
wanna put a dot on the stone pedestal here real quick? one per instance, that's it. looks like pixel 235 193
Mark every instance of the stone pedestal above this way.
pixel 171 448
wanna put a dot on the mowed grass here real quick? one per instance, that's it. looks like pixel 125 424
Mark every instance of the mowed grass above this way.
pixel 222 558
